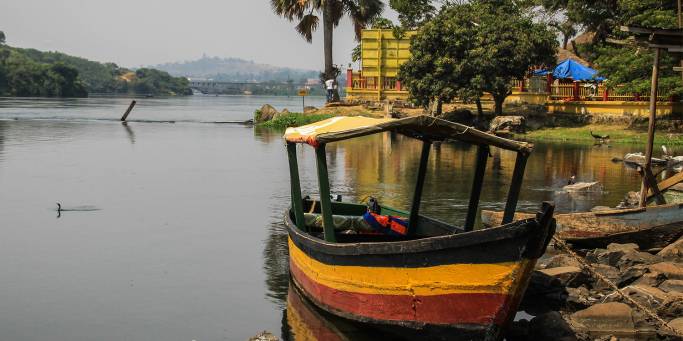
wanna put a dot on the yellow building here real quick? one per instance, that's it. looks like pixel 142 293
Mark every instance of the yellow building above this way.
pixel 381 56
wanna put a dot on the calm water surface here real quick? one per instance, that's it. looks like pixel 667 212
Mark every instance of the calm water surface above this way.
pixel 187 242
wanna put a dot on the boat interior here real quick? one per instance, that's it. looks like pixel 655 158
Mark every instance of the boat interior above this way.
pixel 349 214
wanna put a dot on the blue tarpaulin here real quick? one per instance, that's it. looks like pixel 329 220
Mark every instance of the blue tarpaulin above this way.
pixel 572 69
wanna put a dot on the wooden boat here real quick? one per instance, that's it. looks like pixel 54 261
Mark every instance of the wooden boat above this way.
pixel 650 227
pixel 435 276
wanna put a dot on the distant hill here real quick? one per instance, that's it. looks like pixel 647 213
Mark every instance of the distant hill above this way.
pixel 30 72
pixel 235 70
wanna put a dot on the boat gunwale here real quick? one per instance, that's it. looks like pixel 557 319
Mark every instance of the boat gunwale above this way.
pixel 513 230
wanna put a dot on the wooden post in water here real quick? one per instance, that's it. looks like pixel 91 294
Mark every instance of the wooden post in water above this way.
pixel 297 202
pixel 651 128
pixel 325 201
pixel 515 188
pixel 130 108
pixel 419 185
pixel 482 158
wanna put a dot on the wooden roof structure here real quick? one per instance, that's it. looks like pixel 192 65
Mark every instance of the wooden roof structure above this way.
pixel 659 39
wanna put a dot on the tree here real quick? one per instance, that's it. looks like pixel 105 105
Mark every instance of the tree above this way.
pixel 413 13
pixel 2 38
pixel 626 66
pixel 307 12
pixel 476 47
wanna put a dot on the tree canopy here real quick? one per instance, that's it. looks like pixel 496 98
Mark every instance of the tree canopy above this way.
pixel 413 13
pixel 472 48
pixel 626 66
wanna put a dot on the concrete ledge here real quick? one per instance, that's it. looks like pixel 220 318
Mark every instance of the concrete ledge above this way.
pixel 619 108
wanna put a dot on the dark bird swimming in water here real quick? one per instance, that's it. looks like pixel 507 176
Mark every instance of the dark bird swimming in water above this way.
pixel 76 208
pixel 572 180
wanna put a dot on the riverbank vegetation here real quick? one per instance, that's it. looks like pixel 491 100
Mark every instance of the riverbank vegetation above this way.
pixel 618 135
pixel 29 72
pixel 294 119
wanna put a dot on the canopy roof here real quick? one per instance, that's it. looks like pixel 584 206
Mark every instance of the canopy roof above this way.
pixel 421 127
pixel 572 69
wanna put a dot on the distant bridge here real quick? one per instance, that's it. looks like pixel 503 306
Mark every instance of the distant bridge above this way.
pixel 214 87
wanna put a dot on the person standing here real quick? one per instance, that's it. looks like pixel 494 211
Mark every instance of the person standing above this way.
pixel 329 85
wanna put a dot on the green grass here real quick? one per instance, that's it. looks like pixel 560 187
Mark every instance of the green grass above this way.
pixel 294 120
pixel 618 135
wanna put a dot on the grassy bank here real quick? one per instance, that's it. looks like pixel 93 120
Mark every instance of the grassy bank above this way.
pixel 619 135
pixel 294 120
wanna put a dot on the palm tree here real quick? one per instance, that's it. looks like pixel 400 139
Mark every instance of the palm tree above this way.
pixel 307 13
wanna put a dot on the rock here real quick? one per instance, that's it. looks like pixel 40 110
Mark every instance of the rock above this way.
pixel 677 324
pixel 508 124
pixel 578 299
pixel 631 275
pixel 266 113
pixel 544 293
pixel 264 336
pixel 613 317
pixel 631 200
pixel 622 247
pixel 645 295
pixel 633 257
pixel 672 285
pixel 518 331
pixel 584 187
pixel 653 279
pixel 673 252
pixel 560 261
pixel 284 112
pixel 550 326
pixel 462 116
pixel 610 272
pixel 603 256
pixel 570 276
pixel 668 269
pixel 672 307
pixel 310 110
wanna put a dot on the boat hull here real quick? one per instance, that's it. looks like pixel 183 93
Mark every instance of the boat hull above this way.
pixel 471 282
pixel 652 227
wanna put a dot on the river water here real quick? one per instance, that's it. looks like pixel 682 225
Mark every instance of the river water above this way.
pixel 177 233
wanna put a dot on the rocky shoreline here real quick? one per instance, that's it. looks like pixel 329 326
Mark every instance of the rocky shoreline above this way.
pixel 572 301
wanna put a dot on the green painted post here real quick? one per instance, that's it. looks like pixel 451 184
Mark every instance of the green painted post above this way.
pixel 417 195
pixel 515 187
pixel 480 170
pixel 297 202
pixel 325 201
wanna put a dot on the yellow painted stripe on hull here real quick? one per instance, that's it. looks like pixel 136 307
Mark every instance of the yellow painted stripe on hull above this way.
pixel 500 278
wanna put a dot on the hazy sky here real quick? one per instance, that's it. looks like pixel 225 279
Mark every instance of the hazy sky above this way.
pixel 143 32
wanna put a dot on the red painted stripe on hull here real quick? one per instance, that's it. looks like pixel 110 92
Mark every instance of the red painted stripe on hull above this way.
pixel 448 309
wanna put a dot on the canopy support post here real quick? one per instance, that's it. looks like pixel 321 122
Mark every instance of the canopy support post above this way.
pixel 297 202
pixel 651 127
pixel 515 187
pixel 419 185
pixel 482 158
pixel 325 201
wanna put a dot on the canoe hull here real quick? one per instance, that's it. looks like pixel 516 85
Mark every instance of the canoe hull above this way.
pixel 470 282
pixel 650 228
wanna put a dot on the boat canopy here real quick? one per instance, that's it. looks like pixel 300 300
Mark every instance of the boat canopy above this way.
pixel 420 127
